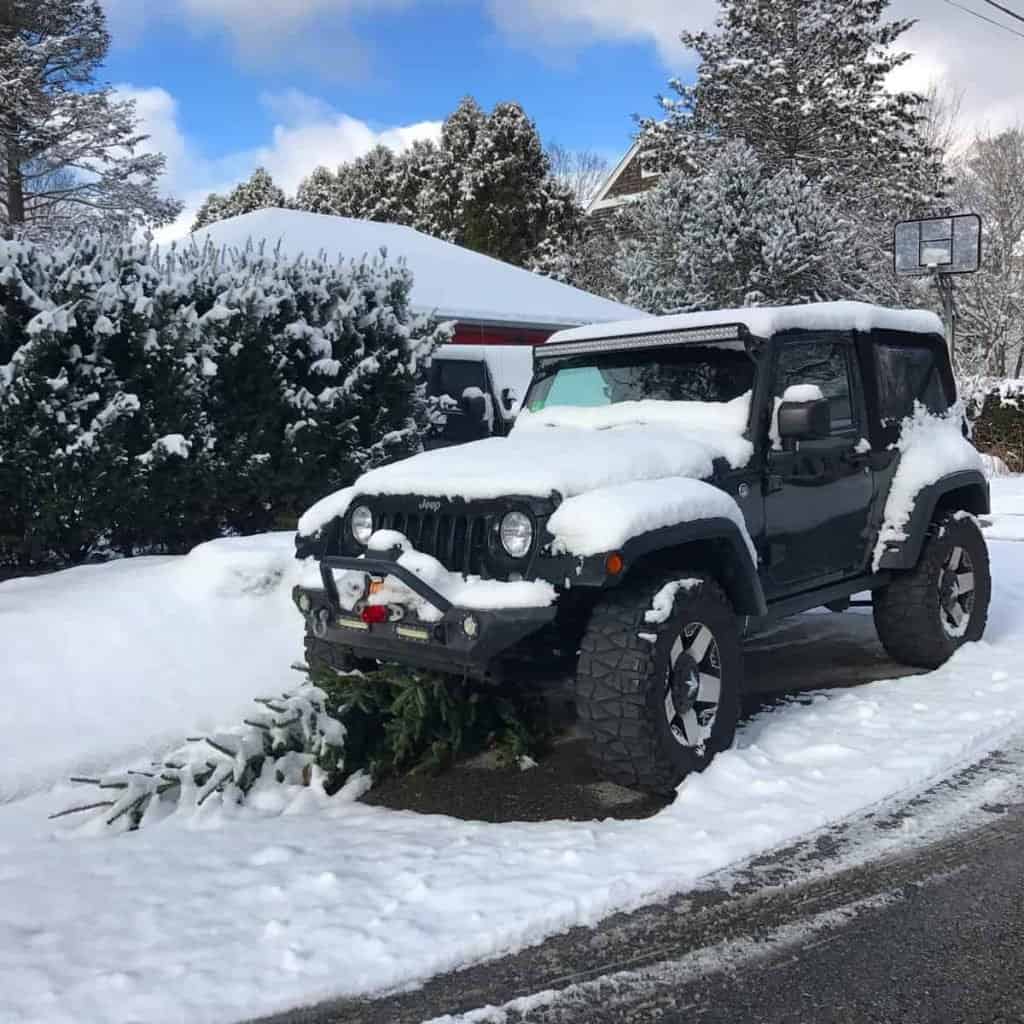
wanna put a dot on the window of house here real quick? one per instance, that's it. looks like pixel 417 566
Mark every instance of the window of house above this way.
pixel 826 364
pixel 908 374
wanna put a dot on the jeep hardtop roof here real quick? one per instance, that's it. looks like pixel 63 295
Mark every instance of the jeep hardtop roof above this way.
pixel 759 322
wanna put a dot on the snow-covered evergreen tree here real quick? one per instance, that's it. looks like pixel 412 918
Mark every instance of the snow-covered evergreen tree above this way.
pixel 741 233
pixel 803 82
pixel 316 193
pixel 68 146
pixel 802 85
pixel 258 193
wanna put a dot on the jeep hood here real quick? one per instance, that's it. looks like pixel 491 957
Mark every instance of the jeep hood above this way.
pixel 571 451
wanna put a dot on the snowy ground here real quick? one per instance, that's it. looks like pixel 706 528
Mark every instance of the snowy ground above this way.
pixel 214 917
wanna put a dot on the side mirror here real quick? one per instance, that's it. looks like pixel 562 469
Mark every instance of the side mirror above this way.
pixel 474 404
pixel 804 421
pixel 509 397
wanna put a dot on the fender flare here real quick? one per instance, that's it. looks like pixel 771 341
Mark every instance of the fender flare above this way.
pixel 965 491
pixel 722 549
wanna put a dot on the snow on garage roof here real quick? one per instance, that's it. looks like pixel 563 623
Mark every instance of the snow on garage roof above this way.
pixel 764 321
pixel 453 282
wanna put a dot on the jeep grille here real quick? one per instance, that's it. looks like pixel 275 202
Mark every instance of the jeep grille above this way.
pixel 458 542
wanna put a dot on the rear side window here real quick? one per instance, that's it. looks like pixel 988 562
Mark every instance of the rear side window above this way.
pixel 908 374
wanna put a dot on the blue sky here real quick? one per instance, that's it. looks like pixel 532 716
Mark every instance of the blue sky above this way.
pixel 420 62
pixel 224 85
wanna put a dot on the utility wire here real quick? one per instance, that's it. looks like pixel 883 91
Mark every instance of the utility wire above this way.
pixel 984 17
pixel 1005 10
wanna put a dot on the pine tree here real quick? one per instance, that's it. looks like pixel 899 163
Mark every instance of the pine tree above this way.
pixel 803 82
pixel 493 190
pixel 738 234
pixel 316 193
pixel 210 212
pixel 258 193
pixel 68 146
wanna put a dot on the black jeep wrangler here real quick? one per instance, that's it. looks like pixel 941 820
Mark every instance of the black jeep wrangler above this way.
pixel 670 486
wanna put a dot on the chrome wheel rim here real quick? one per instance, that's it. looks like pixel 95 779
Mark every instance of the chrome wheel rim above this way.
pixel 956 593
pixel 693 688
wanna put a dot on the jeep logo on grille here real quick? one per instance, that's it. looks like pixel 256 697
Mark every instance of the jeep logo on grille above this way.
pixel 430 506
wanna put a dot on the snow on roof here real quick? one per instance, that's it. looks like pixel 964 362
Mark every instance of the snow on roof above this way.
pixel 764 321
pixel 453 282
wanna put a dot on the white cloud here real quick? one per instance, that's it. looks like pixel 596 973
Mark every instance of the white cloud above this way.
pixel 961 52
pixel 308 133
pixel 576 23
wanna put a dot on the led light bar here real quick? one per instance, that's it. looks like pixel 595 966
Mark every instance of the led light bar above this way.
pixel 729 332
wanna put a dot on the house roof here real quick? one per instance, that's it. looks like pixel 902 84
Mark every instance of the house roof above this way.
pixel 449 281
pixel 600 200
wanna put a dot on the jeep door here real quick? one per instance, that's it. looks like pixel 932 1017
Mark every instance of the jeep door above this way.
pixel 818 494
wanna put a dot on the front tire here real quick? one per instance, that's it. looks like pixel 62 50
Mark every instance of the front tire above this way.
pixel 657 701
pixel 925 615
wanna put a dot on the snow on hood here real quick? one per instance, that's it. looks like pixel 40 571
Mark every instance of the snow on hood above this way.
pixel 565 449
pixel 574 451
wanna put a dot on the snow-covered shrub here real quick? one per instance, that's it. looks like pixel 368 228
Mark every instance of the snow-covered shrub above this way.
pixel 997 409
pixel 150 400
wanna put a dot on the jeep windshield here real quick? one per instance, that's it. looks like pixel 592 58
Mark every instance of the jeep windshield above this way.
pixel 681 373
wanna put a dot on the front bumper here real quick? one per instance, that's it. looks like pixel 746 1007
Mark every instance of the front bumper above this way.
pixel 464 641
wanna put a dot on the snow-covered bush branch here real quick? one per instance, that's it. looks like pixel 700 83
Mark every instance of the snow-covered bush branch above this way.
pixel 290 739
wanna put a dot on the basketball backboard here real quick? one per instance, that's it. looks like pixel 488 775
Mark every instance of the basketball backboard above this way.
pixel 938 245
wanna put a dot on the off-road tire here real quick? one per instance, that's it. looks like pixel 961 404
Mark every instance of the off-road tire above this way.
pixel 621 678
pixel 908 612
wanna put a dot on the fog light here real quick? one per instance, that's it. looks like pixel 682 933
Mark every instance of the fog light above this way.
pixel 374 614
pixel 470 626
pixel 305 603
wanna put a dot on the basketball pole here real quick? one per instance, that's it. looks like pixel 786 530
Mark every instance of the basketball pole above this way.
pixel 944 282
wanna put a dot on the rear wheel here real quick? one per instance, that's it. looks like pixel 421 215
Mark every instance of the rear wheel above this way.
pixel 925 615
pixel 658 700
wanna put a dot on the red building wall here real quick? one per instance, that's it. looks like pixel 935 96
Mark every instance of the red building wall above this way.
pixel 474 334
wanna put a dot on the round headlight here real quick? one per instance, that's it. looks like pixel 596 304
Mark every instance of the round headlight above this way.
pixel 362 524
pixel 517 534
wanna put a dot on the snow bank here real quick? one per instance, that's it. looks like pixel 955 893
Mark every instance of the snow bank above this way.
pixel 104 664
pixel 930 447
pixel 764 321
pixel 193 922
pixel 605 519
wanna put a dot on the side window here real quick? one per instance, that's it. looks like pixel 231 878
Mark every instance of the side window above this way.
pixel 908 374
pixel 826 364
